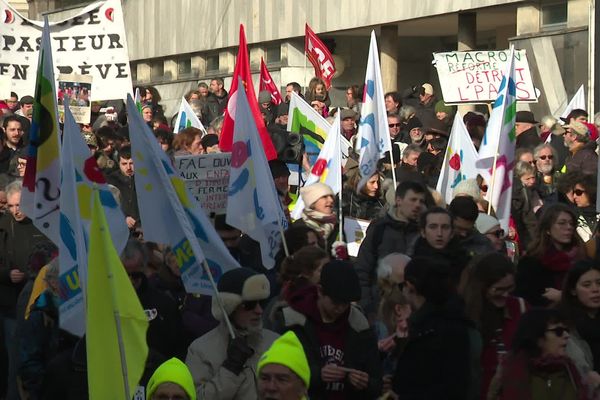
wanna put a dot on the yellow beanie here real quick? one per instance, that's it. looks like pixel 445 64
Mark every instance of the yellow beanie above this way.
pixel 174 371
pixel 287 351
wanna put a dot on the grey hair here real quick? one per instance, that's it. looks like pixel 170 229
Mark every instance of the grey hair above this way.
pixel 523 167
pixel 548 121
pixel 406 112
pixel 385 265
pixel 538 149
pixel 14 187
pixel 411 148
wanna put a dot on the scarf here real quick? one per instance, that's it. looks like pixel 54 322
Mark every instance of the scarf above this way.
pixel 559 262
pixel 322 223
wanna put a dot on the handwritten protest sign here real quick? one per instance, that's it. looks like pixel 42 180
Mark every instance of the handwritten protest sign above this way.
pixel 475 76
pixel 91 43
pixel 207 178
pixel 355 231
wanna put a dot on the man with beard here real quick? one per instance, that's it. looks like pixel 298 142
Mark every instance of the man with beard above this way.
pixel 545 162
pixel 222 367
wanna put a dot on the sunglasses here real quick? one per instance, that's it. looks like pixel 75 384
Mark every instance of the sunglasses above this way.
pixel 483 188
pixel 394 125
pixel 550 157
pixel 558 331
pixel 578 192
pixel 498 233
pixel 251 305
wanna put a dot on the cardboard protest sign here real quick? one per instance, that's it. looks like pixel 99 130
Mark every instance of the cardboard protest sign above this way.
pixel 91 43
pixel 475 76
pixel 75 90
pixel 355 230
pixel 207 178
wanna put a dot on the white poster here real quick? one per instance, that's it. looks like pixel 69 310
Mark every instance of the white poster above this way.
pixel 75 90
pixel 355 231
pixel 475 76
pixel 91 43
pixel 207 178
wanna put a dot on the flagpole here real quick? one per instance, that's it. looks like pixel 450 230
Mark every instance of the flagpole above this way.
pixel 341 216
pixel 393 163
pixel 304 81
pixel 283 241
pixel 493 179
pixel 218 297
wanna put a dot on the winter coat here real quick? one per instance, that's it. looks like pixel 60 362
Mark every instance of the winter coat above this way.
pixel 522 212
pixel 360 347
pixel 528 139
pixel 385 235
pixel 126 186
pixel 441 356
pixel 475 244
pixel 584 160
pixel 216 104
pixel 587 220
pixel 205 359
pixel 358 205
pixel 454 254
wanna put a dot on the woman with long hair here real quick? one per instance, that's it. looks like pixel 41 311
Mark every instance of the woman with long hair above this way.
pixel 188 142
pixel 553 252
pixel 584 198
pixel 489 303
pixel 581 302
pixel 365 203
pixel 537 367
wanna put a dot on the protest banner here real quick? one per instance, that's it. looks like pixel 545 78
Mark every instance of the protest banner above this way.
pixel 91 43
pixel 475 76
pixel 207 178
pixel 76 90
pixel 355 230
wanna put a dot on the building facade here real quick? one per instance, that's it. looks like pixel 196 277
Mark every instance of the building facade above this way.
pixel 174 44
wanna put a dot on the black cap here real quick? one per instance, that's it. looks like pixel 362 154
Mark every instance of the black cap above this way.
pixel 283 109
pixel 525 116
pixel 340 281
pixel 413 123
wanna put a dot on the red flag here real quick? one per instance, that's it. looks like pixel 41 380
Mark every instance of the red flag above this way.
pixel 266 83
pixel 319 56
pixel 242 70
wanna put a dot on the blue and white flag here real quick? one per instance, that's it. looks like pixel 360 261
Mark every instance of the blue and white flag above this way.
pixel 80 174
pixel 253 205
pixel 171 215
pixel 186 118
pixel 373 131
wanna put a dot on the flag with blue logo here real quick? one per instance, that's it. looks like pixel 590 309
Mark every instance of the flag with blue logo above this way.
pixel 171 215
pixel 499 143
pixel 187 118
pixel 253 205
pixel 80 174
pixel 373 131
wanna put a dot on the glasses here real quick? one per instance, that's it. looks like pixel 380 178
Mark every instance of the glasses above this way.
pixel 550 157
pixel 22 164
pixel 394 125
pixel 503 289
pixel 498 233
pixel 578 192
pixel 558 331
pixel 251 305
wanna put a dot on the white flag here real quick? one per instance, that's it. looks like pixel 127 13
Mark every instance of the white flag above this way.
pixel 80 174
pixel 186 118
pixel 459 160
pixel 170 214
pixel 327 168
pixel 253 205
pixel 577 102
pixel 373 131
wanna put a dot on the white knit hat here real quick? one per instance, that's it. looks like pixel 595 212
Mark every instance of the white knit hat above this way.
pixel 485 222
pixel 468 187
pixel 311 193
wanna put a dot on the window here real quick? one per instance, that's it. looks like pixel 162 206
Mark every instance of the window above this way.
pixel 554 15
pixel 133 68
pixel 184 67
pixel 212 62
pixel 273 54
pixel 158 70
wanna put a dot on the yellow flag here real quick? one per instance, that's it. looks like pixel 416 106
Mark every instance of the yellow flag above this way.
pixel 116 324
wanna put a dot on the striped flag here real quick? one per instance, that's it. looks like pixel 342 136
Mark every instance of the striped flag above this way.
pixel 41 183
pixel 187 118
pixel 499 144
pixel 373 132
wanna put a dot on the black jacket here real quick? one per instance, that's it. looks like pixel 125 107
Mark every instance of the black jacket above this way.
pixel 522 211
pixel 438 359
pixel 358 205
pixel 126 186
pixel 454 254
pixel 528 139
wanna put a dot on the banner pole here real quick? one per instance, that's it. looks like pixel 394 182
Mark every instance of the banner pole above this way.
pixel 218 297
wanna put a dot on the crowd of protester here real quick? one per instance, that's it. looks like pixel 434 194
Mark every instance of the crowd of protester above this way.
pixel 439 302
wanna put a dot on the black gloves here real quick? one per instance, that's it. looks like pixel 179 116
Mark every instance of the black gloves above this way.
pixel 238 353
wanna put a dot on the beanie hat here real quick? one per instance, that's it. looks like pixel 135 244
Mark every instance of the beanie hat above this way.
pixel 311 193
pixel 413 123
pixel 440 106
pixel 427 88
pixel 174 371
pixel 237 286
pixel 264 96
pixel 485 222
pixel 287 351
pixel 468 187
pixel 90 139
pixel 340 281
